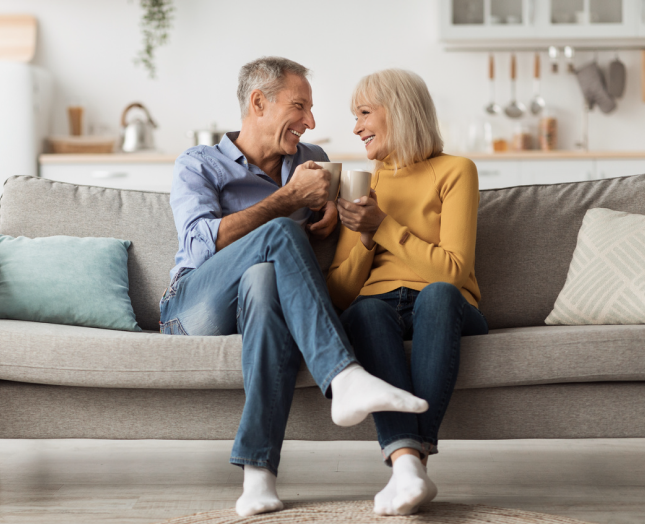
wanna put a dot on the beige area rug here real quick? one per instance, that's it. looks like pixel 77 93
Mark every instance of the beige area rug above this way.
pixel 360 512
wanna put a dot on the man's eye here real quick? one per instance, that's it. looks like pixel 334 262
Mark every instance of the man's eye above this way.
pixel 299 106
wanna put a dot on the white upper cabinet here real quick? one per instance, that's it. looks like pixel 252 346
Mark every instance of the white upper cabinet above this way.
pixel 487 19
pixel 502 21
pixel 588 19
pixel 640 17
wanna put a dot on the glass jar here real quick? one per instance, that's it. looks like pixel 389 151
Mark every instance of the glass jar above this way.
pixel 522 138
pixel 548 132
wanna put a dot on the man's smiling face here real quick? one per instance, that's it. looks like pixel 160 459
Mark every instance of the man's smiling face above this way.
pixel 286 119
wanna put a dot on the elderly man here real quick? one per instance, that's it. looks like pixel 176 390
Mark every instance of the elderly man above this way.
pixel 245 266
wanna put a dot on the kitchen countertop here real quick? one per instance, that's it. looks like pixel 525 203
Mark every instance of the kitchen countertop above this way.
pixel 128 158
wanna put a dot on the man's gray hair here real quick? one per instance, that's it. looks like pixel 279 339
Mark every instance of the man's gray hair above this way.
pixel 266 74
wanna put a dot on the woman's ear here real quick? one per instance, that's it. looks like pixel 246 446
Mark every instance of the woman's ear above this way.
pixel 258 102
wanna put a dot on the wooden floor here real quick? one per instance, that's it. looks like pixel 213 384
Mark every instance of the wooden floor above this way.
pixel 110 482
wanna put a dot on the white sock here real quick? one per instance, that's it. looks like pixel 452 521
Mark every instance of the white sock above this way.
pixel 260 495
pixel 407 489
pixel 356 394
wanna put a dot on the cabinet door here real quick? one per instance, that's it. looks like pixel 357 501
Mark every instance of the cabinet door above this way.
pixel 142 177
pixel 498 173
pixel 471 20
pixel 616 168
pixel 639 11
pixel 587 18
pixel 557 171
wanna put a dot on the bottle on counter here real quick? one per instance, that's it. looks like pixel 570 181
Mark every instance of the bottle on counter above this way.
pixel 548 132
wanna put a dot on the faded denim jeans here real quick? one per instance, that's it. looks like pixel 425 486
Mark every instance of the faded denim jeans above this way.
pixel 434 319
pixel 268 287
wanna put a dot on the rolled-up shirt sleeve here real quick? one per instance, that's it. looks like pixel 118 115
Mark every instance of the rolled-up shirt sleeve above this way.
pixel 195 202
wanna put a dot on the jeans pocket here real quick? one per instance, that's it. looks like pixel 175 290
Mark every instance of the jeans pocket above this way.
pixel 172 327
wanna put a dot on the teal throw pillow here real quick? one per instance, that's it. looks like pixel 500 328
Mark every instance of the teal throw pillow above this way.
pixel 66 280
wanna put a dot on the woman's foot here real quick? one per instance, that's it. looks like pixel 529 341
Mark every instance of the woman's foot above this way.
pixel 260 495
pixel 356 394
pixel 407 489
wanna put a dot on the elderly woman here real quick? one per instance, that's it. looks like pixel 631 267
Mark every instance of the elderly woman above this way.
pixel 404 270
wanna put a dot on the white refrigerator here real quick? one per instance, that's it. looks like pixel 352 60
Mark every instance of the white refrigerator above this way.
pixel 25 109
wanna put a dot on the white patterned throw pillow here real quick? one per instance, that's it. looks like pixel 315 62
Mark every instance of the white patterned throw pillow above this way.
pixel 606 279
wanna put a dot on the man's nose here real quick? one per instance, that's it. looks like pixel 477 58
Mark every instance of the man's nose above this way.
pixel 310 122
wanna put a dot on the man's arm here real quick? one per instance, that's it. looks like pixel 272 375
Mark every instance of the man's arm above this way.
pixel 308 187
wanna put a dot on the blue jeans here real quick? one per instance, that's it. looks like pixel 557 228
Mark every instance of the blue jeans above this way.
pixel 434 319
pixel 267 286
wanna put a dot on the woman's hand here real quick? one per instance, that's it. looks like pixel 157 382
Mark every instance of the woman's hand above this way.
pixel 363 216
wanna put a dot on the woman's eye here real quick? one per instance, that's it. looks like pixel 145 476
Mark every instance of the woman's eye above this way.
pixel 365 112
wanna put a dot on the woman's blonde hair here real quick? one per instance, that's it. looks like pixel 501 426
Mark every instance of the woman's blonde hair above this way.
pixel 412 125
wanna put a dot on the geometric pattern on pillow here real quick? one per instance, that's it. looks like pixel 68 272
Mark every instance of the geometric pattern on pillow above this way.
pixel 606 279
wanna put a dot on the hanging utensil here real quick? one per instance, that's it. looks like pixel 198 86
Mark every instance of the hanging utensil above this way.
pixel 617 78
pixel 493 108
pixel 538 103
pixel 554 53
pixel 514 109
pixel 569 53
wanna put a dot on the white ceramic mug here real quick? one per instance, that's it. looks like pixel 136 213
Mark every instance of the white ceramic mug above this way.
pixel 355 184
pixel 335 169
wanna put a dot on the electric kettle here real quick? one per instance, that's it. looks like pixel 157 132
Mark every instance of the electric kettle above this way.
pixel 137 135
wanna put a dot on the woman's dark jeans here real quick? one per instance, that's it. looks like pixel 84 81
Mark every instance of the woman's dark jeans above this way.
pixel 434 319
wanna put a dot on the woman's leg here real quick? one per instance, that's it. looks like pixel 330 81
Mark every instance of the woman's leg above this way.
pixel 376 331
pixel 441 316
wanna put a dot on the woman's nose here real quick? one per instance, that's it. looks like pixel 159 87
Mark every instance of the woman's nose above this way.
pixel 358 128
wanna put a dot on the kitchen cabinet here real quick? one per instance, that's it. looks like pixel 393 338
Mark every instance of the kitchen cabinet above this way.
pixel 486 19
pixel 112 171
pixel 557 171
pixel 518 21
pixel 617 168
pixel 498 173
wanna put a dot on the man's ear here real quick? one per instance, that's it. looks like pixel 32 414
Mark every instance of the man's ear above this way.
pixel 258 102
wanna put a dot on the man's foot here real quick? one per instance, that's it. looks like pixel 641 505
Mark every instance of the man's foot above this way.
pixel 407 489
pixel 260 495
pixel 356 394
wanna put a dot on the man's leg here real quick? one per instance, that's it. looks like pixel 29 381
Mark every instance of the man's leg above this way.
pixel 270 363
pixel 308 313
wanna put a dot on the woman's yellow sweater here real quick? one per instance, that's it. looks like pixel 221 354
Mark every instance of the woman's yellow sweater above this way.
pixel 428 235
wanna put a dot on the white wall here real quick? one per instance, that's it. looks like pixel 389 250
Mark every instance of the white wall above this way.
pixel 89 47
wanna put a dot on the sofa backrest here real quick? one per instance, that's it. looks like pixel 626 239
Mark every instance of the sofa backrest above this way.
pixel 525 236
pixel 36 207
pixel 525 241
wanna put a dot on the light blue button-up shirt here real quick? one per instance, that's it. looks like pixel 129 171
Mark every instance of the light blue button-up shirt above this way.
pixel 210 183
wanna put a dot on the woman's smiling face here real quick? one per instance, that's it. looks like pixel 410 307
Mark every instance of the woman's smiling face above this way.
pixel 371 127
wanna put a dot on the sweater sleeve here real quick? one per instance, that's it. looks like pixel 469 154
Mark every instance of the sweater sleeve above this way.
pixel 453 258
pixel 350 269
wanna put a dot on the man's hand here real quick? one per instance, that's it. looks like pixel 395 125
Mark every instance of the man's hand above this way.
pixel 364 216
pixel 324 227
pixel 309 185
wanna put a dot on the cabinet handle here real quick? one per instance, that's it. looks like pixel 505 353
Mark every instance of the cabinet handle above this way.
pixel 643 11
pixel 108 174
pixel 489 173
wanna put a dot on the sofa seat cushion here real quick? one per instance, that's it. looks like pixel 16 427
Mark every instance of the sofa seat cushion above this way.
pixel 79 356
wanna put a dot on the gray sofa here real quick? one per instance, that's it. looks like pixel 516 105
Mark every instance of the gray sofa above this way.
pixel 523 380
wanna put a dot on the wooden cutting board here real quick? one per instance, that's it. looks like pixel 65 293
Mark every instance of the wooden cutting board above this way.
pixel 17 38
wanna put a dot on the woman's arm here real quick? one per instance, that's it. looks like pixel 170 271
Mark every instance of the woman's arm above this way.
pixel 350 269
pixel 453 258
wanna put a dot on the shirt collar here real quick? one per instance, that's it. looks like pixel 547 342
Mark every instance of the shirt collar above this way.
pixel 228 148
